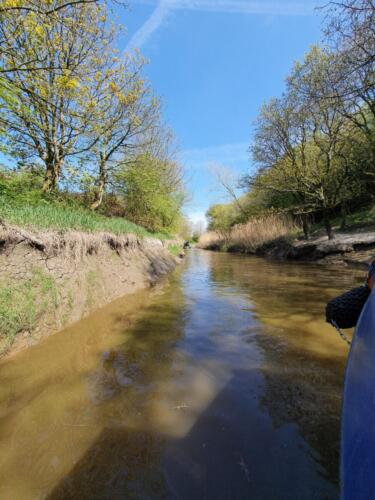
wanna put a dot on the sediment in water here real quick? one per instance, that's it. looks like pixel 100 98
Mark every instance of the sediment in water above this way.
pixel 50 279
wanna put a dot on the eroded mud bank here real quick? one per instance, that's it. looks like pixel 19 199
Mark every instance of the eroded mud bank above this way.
pixel 49 280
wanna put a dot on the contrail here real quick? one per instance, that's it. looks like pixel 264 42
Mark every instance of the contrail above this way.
pixel 149 27
pixel 250 7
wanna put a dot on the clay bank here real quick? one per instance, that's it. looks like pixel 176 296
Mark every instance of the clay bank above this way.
pixel 50 279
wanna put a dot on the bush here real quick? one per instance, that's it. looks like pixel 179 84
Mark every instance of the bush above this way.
pixel 151 194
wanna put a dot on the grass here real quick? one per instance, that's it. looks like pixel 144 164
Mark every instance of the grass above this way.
pixel 47 215
pixel 357 220
pixel 175 249
pixel 363 217
pixel 22 302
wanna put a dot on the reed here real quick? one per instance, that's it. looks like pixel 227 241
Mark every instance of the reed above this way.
pixel 248 237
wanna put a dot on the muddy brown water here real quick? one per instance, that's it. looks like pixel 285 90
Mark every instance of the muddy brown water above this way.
pixel 222 383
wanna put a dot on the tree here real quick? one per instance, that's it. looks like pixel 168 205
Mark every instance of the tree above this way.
pixel 128 114
pixel 20 11
pixel 221 219
pixel 301 144
pixel 153 192
pixel 350 29
pixel 229 183
pixel 55 106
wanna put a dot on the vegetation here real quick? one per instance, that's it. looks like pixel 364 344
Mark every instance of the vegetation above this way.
pixel 83 117
pixel 21 303
pixel 252 235
pixel 175 249
pixel 23 203
pixel 314 147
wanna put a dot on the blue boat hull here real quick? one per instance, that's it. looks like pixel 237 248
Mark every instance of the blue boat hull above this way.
pixel 358 420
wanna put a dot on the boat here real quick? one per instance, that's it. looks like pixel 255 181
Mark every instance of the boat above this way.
pixel 357 468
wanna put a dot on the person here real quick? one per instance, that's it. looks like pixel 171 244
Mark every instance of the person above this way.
pixel 344 311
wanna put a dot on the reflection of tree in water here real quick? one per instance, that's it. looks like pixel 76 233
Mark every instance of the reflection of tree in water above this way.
pixel 124 462
pixel 304 362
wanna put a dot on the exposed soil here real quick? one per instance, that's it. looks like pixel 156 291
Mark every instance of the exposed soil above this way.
pixel 88 271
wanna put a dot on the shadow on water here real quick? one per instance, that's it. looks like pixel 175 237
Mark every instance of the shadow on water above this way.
pixel 223 384
pixel 231 452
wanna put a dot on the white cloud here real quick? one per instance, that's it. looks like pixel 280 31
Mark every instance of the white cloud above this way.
pixel 250 7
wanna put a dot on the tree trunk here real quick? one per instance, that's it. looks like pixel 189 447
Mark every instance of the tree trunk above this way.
pixel 50 179
pixel 328 226
pixel 98 197
pixel 306 226
pixel 344 214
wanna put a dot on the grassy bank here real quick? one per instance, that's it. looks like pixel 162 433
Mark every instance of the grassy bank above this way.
pixel 58 216
pixel 23 203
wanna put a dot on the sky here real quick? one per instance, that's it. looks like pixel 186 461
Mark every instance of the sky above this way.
pixel 213 63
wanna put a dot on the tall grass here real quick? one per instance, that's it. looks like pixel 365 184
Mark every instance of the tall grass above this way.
pixel 254 234
pixel 63 217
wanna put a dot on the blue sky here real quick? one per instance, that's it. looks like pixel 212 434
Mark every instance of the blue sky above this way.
pixel 214 62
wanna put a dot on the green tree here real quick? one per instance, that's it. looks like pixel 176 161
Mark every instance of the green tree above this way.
pixel 152 191
pixel 221 218
pixel 301 144
pixel 54 106
pixel 127 114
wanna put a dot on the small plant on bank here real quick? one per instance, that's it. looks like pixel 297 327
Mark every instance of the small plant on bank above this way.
pixel 22 302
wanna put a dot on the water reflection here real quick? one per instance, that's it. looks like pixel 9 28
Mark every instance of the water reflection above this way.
pixel 303 360
pixel 224 383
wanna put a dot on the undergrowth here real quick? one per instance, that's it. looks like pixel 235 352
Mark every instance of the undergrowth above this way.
pixel 60 217
pixel 174 249
pixel 23 203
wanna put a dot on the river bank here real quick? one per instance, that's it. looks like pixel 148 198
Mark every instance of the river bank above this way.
pixel 51 279
pixel 349 248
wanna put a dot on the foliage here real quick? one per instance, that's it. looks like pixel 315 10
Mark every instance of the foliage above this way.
pixel 21 303
pixel 175 249
pixel 221 218
pixel 81 114
pixel 66 216
pixel 152 192
pixel 23 203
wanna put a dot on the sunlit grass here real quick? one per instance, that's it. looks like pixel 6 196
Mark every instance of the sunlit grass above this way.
pixel 60 217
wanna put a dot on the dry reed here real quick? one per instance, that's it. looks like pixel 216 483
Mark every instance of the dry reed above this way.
pixel 248 237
